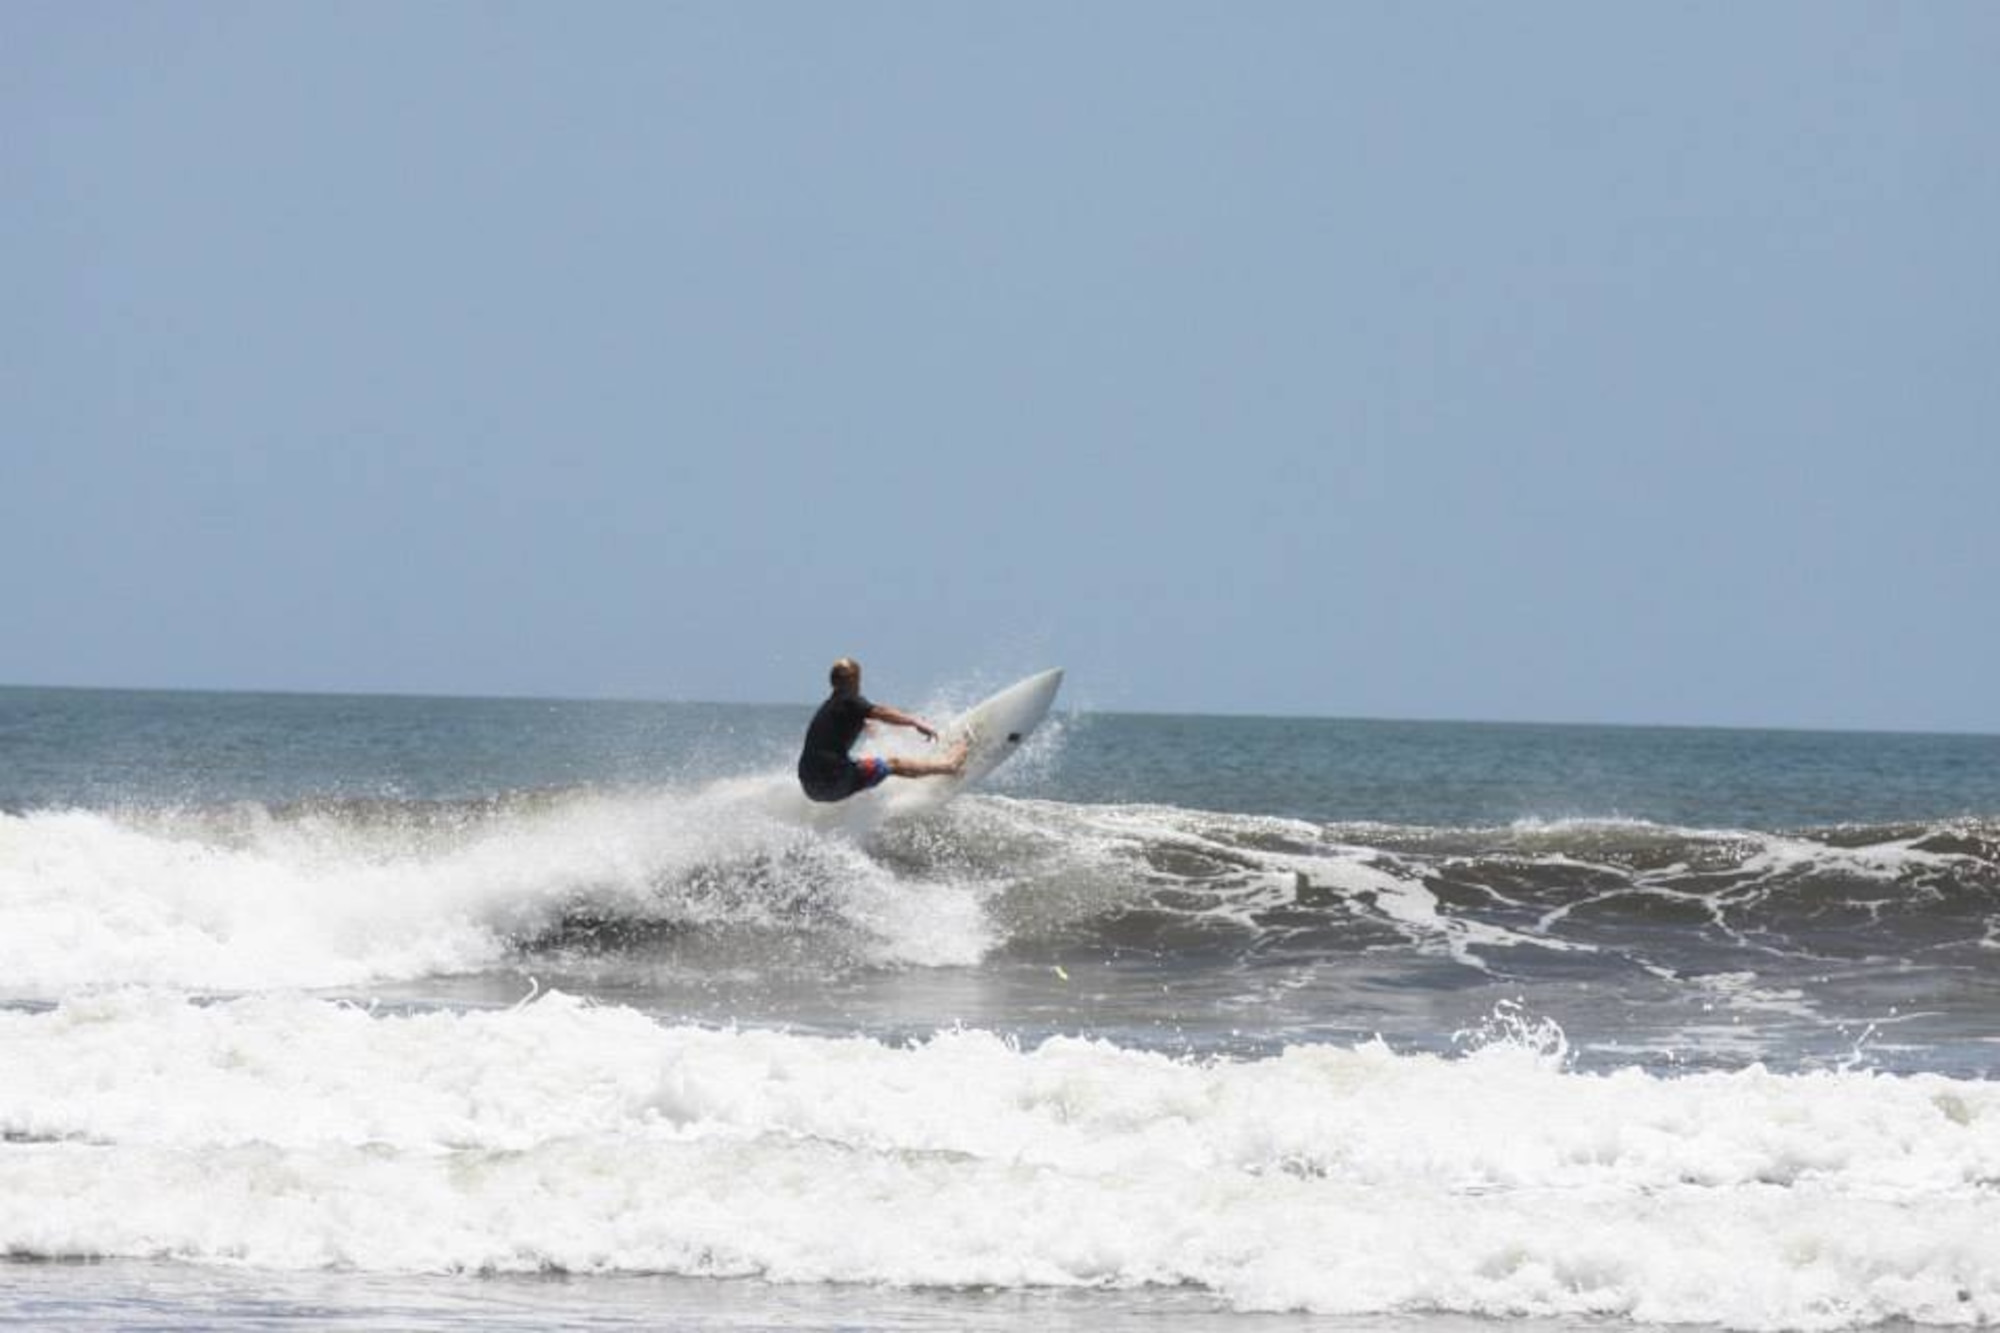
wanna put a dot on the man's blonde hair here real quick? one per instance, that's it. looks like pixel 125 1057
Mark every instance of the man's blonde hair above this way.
pixel 846 674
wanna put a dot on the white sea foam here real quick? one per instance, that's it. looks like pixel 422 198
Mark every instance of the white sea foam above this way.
pixel 286 1132
pixel 237 901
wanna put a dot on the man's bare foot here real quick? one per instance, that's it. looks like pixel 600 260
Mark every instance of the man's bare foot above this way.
pixel 949 766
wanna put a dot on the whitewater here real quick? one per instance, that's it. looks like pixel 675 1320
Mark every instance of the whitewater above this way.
pixel 289 1133
pixel 361 1008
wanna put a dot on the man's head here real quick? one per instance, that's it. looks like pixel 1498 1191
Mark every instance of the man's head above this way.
pixel 846 675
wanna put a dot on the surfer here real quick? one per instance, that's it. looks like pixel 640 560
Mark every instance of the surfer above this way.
pixel 829 773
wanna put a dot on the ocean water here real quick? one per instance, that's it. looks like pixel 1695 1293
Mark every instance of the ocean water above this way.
pixel 419 1013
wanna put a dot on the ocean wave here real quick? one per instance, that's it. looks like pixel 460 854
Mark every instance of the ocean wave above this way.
pixel 283 1132
pixel 348 894
pixel 351 893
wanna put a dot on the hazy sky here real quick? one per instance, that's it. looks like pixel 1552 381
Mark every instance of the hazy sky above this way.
pixel 1549 361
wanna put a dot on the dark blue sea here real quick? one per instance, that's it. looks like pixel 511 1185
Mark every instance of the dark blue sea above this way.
pixel 440 1013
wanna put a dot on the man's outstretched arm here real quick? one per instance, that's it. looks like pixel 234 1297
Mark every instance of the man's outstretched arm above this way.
pixel 896 717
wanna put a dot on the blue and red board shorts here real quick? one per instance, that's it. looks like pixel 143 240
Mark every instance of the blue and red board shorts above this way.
pixel 858 775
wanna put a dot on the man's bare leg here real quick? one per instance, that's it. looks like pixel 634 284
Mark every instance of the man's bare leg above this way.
pixel 953 763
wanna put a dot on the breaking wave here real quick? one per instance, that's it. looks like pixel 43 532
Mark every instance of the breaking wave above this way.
pixel 342 894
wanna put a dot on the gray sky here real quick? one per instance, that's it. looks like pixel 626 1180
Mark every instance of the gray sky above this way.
pixel 1553 361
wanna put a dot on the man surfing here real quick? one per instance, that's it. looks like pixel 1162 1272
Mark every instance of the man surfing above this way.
pixel 829 773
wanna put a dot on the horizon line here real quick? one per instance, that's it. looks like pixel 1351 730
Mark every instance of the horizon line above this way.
pixel 1247 716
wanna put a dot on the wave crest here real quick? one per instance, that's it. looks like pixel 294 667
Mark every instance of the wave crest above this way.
pixel 738 874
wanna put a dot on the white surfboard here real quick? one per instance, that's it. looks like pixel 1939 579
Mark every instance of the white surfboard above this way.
pixel 997 727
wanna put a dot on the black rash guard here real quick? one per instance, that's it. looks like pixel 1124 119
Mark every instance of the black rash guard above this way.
pixel 825 770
